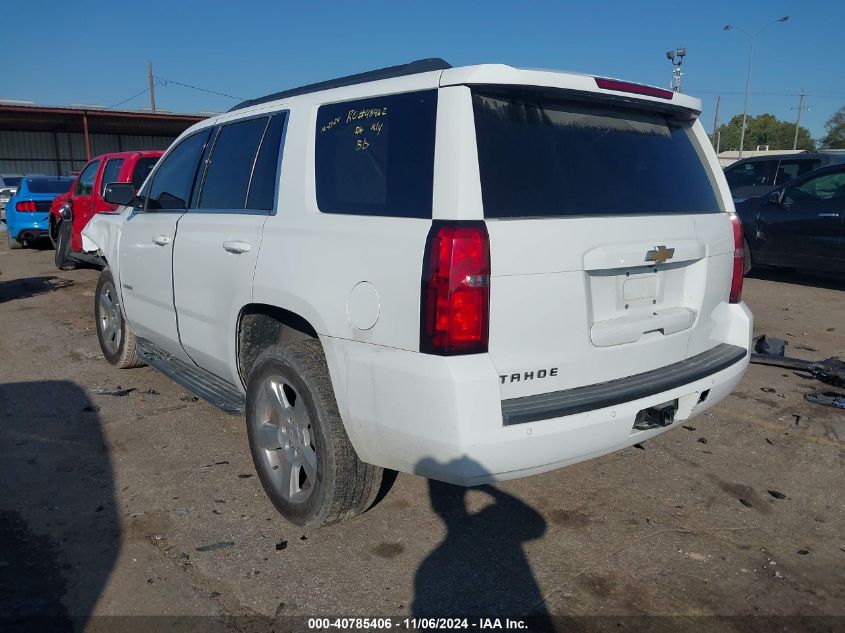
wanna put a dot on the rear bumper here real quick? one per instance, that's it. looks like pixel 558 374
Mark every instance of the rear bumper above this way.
pixel 443 417
pixel 28 225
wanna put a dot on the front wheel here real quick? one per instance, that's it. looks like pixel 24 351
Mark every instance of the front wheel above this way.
pixel 117 341
pixel 63 258
pixel 303 456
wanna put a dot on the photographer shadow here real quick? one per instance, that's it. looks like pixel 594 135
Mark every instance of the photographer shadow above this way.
pixel 59 524
pixel 480 569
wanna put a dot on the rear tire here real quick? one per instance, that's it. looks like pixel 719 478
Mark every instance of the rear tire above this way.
pixel 63 258
pixel 299 446
pixel 117 341
pixel 14 244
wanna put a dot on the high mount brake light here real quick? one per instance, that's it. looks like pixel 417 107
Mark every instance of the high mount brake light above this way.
pixel 27 206
pixel 639 89
pixel 739 257
pixel 455 299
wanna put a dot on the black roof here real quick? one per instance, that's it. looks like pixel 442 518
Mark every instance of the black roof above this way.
pixel 825 157
pixel 412 68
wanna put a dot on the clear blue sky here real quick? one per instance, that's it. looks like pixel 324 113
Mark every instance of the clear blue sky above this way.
pixel 97 53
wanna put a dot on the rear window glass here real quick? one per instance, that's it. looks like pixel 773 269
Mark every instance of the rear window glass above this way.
pixel 142 169
pixel 375 156
pixel 49 185
pixel 541 155
pixel 230 165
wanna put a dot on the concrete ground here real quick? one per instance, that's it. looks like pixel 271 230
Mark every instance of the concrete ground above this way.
pixel 108 501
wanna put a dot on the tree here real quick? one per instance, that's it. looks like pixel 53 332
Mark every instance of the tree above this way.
pixel 835 128
pixel 765 129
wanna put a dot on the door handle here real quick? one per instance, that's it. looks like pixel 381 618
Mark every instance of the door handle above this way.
pixel 161 240
pixel 236 246
pixel 828 215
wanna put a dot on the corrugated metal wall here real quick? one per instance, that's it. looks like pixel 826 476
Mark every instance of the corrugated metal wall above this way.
pixel 60 153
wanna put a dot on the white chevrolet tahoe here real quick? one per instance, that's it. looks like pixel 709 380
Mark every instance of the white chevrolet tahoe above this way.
pixel 471 274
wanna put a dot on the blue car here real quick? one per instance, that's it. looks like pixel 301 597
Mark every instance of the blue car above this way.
pixel 28 211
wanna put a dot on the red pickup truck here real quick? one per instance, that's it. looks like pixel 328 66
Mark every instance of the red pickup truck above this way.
pixel 71 211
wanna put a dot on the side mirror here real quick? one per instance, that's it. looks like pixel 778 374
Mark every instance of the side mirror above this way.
pixel 122 193
pixel 66 211
pixel 776 197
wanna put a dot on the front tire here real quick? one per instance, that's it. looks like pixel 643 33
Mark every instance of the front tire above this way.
pixel 63 257
pixel 299 446
pixel 14 244
pixel 117 341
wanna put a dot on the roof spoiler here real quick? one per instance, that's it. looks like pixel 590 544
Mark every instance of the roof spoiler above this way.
pixel 419 66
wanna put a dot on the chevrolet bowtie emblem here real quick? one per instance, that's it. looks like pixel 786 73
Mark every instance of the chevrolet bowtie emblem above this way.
pixel 659 254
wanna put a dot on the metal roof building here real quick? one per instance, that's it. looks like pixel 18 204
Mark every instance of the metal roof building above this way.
pixel 57 141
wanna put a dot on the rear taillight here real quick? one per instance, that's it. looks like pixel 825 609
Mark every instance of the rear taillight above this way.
pixel 27 206
pixel 739 260
pixel 637 89
pixel 455 302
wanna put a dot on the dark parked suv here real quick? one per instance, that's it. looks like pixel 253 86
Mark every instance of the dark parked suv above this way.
pixel 757 176
pixel 800 224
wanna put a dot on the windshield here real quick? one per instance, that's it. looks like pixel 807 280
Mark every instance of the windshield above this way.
pixel 49 185
pixel 541 155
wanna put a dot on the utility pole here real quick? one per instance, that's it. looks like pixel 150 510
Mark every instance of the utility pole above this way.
pixel 798 117
pixel 751 37
pixel 716 120
pixel 152 87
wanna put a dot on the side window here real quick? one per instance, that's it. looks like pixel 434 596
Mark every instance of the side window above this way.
pixel 230 165
pixel 142 169
pixel 265 178
pixel 111 172
pixel 826 187
pixel 85 183
pixel 174 179
pixel 789 169
pixel 752 173
pixel 375 156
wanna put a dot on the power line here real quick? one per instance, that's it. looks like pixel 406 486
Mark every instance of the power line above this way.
pixel 164 82
pixel 768 94
pixel 135 96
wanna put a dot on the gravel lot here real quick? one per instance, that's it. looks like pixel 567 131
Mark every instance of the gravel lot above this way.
pixel 107 500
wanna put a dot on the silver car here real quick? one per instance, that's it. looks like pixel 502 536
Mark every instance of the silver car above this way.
pixel 8 187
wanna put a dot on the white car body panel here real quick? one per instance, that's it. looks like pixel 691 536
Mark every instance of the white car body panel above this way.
pixel 560 297
pixel 202 268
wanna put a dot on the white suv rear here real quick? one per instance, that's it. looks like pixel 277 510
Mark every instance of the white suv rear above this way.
pixel 471 274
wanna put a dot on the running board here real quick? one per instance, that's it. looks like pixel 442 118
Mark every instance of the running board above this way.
pixel 207 386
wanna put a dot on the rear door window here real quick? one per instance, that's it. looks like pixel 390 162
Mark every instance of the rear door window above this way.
pixel 111 172
pixel 751 174
pixel 375 156
pixel 265 176
pixel 789 169
pixel 174 179
pixel 541 155
pixel 230 165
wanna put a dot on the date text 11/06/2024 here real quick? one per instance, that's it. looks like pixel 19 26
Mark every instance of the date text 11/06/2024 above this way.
pixel 353 624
